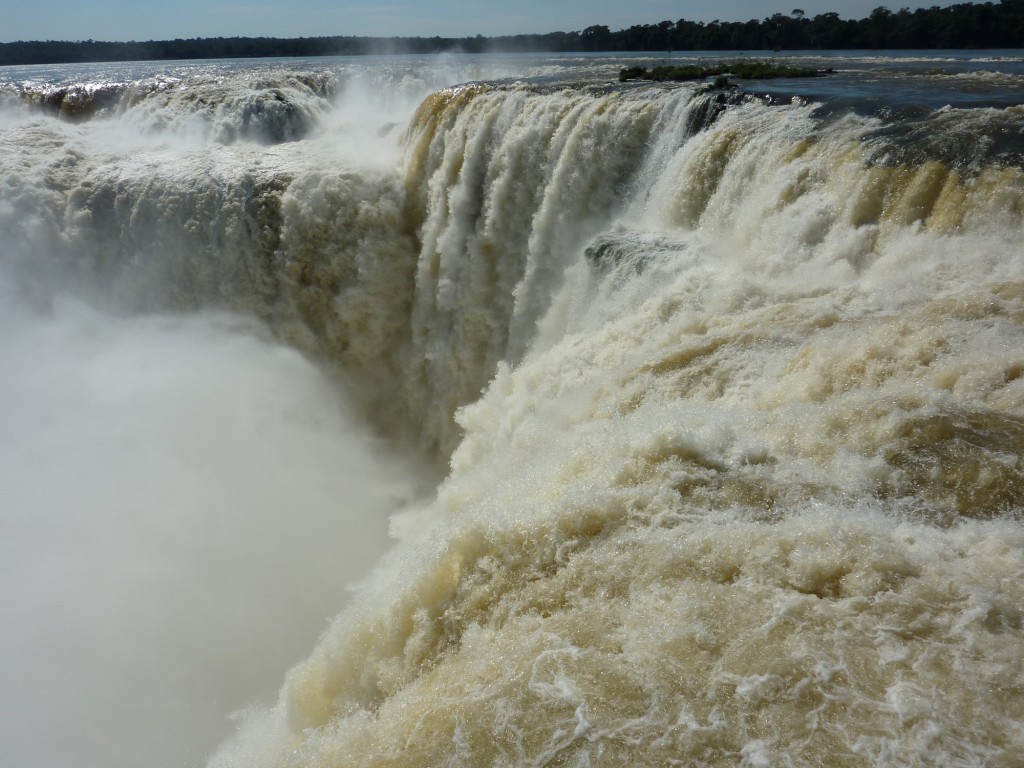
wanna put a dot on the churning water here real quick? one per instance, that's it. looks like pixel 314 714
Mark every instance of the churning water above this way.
pixel 655 425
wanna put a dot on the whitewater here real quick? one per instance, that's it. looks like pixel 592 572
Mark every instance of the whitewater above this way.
pixel 486 411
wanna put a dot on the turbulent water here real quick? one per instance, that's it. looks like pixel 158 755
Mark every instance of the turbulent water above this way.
pixel 724 389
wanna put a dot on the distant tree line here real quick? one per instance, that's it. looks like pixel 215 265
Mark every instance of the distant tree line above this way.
pixel 966 25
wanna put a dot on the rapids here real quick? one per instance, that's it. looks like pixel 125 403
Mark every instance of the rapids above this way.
pixel 725 390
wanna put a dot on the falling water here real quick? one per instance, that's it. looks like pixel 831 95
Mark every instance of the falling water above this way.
pixel 722 392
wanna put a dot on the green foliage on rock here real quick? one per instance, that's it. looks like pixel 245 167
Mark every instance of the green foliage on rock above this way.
pixel 745 70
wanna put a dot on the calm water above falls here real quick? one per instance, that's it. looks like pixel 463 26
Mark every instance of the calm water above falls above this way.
pixel 695 417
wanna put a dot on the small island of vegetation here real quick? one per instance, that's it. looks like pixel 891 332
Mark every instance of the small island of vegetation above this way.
pixel 745 70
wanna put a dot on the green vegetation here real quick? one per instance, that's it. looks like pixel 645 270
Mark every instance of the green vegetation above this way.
pixel 746 70
pixel 965 25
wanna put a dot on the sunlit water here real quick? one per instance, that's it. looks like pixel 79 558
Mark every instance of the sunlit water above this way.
pixel 652 425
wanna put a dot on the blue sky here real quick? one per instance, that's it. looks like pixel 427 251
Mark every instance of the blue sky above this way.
pixel 134 20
